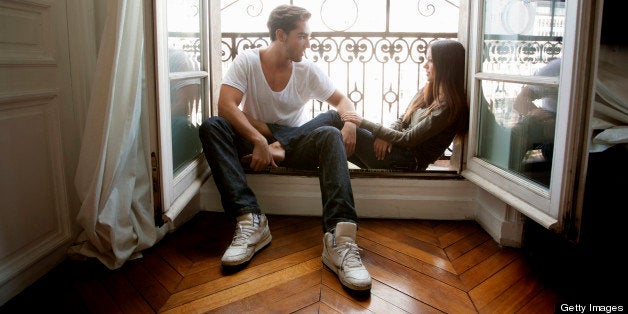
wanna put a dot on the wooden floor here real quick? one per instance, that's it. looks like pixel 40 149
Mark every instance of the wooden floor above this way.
pixel 417 267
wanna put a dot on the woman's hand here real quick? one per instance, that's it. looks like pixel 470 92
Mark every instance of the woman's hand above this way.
pixel 381 148
pixel 352 116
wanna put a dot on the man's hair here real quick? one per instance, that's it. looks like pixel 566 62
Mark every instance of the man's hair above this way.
pixel 285 17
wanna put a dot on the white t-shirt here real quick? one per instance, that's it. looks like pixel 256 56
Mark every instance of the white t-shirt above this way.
pixel 548 95
pixel 286 107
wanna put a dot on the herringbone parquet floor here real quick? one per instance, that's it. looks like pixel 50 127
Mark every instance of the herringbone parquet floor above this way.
pixel 417 266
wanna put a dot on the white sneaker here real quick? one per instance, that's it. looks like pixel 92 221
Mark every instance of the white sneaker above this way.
pixel 342 256
pixel 251 235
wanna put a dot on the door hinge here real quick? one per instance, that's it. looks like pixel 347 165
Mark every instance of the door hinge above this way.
pixel 158 212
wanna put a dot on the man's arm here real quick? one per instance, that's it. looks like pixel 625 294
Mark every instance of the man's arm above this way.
pixel 230 98
pixel 259 126
pixel 523 103
pixel 342 104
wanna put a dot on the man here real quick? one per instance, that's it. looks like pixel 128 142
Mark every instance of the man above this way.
pixel 536 127
pixel 276 83
pixel 549 95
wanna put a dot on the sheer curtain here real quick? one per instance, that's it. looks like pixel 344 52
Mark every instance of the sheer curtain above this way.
pixel 113 175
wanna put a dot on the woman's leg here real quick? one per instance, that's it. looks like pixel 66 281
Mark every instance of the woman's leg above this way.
pixel 364 157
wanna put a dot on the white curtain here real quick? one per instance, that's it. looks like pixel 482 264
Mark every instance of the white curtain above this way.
pixel 113 177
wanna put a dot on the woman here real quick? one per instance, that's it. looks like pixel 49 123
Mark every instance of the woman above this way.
pixel 436 114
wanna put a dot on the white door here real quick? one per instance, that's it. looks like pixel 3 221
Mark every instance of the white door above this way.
pixel 38 139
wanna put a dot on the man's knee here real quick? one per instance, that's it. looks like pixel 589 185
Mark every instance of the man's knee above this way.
pixel 332 113
pixel 212 125
pixel 329 133
pixel 334 118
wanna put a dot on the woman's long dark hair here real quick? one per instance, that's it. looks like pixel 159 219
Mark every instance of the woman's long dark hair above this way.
pixel 448 59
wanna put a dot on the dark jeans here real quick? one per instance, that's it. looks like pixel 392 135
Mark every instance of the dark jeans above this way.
pixel 316 144
pixel 399 158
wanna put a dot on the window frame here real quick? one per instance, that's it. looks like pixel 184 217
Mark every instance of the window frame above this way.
pixel 174 191
pixel 552 207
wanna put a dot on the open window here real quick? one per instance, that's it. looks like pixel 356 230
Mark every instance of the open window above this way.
pixel 528 103
pixel 183 88
pixel 373 50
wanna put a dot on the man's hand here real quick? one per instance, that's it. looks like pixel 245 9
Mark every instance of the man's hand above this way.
pixel 381 148
pixel 261 157
pixel 349 137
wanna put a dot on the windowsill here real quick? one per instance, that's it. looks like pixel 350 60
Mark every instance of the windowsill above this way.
pixel 434 171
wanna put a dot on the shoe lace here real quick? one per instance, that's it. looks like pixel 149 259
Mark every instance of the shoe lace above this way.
pixel 352 255
pixel 243 232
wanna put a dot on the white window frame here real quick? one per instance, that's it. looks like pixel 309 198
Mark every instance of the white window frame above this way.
pixel 546 206
pixel 176 191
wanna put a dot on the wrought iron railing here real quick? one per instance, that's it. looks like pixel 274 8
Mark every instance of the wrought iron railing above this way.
pixel 519 54
pixel 379 72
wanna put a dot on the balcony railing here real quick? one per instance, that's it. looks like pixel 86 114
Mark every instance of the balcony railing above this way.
pixel 379 72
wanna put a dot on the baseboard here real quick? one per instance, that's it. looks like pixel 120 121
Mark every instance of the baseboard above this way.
pixel 22 280
pixel 397 197
pixel 440 197
pixel 501 221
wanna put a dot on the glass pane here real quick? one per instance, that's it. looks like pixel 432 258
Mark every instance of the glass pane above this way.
pixel 184 25
pixel 186 93
pixel 186 97
pixel 520 37
pixel 424 16
pixel 327 15
pixel 517 121
pixel 345 15
pixel 516 128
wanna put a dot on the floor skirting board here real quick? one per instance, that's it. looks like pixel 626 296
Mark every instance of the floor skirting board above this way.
pixel 393 197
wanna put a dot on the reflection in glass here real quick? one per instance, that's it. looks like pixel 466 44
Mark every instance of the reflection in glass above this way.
pixel 184 25
pixel 517 124
pixel 517 121
pixel 520 37
pixel 186 89
pixel 186 117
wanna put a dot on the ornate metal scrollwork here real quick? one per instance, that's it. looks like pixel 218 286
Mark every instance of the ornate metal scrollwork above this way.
pixel 426 7
pixel 355 95
pixel 390 97
pixel 521 51
pixel 418 49
pixel 254 10
pixel 332 20
pixel 325 49
pixel 352 49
